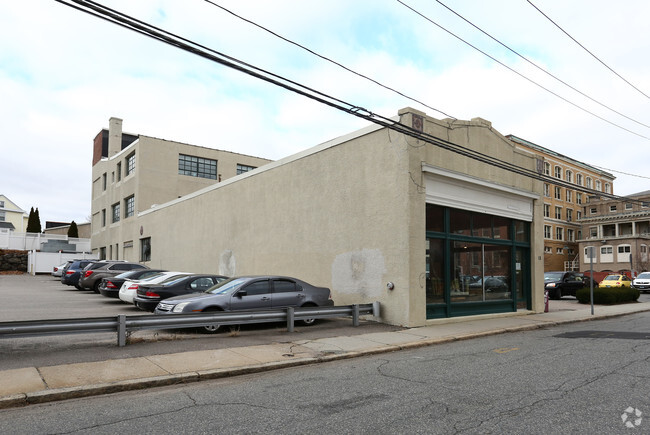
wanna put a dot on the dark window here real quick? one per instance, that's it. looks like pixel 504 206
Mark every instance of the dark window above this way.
pixel 197 167
pixel 116 212
pixel 130 164
pixel 435 218
pixel 129 206
pixel 284 286
pixel 145 249
pixel 244 168
pixel 119 171
pixel 257 288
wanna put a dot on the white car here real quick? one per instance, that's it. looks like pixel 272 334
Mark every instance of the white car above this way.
pixel 58 270
pixel 642 282
pixel 130 288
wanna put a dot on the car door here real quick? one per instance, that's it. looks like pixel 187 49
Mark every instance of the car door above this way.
pixel 287 293
pixel 252 296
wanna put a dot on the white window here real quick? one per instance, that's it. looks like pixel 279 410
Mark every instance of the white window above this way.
pixel 547 168
pixel 547 210
pixel 606 254
pixel 578 215
pixel 569 195
pixel 628 206
pixel 598 185
pixel 559 233
pixel 608 188
pixel 588 180
pixel 569 214
pixel 558 192
pixel 593 232
pixel 623 253
pixel 612 208
pixel 558 212
pixel 558 172
pixel 548 250
pixel 570 235
pixel 558 251
pixel 579 179
pixel 569 176
pixel 578 198
pixel 547 191
pixel 547 231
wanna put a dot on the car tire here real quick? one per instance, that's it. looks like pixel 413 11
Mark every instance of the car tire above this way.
pixel 211 329
pixel 308 322
pixel 96 286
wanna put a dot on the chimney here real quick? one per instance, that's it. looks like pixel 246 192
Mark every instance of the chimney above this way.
pixel 114 136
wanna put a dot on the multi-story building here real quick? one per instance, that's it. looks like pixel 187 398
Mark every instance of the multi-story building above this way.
pixel 616 233
pixel 133 173
pixel 565 202
pixel 12 217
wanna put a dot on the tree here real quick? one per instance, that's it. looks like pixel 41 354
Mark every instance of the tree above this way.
pixel 33 222
pixel 73 232
pixel 38 221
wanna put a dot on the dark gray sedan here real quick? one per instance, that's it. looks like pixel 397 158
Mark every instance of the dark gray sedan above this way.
pixel 250 293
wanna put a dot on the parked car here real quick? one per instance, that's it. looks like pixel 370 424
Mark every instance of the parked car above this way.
pixel 642 282
pixel 561 284
pixel 110 286
pixel 250 293
pixel 91 276
pixel 130 287
pixel 72 272
pixel 57 271
pixel 616 280
pixel 148 295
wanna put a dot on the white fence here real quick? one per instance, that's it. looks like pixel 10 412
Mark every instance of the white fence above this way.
pixel 44 262
pixel 35 241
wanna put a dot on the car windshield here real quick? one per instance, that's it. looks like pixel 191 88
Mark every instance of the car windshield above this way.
pixel 612 278
pixel 553 276
pixel 226 286
pixel 644 275
pixel 173 279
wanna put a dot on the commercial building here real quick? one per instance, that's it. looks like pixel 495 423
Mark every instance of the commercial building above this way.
pixel 616 234
pixel 429 230
pixel 564 202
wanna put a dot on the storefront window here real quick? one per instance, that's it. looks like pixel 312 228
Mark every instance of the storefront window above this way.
pixel 460 222
pixel 435 218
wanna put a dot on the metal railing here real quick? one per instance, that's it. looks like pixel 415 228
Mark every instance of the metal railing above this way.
pixel 123 325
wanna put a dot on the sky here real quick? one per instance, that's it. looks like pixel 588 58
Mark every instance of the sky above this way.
pixel 64 73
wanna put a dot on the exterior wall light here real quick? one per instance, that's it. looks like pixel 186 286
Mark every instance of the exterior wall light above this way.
pixel 390 286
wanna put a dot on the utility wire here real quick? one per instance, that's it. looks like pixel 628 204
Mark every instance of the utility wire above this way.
pixel 326 58
pixel 585 49
pixel 539 67
pixel 520 74
pixel 118 18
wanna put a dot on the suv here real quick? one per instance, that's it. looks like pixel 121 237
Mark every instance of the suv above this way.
pixel 561 284
pixel 71 272
pixel 92 275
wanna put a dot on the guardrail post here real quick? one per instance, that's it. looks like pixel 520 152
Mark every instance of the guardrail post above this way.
pixel 290 317
pixel 355 315
pixel 121 330
pixel 375 309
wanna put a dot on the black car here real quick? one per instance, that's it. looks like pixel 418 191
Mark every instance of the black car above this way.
pixel 149 295
pixel 560 284
pixel 110 286
pixel 91 276
pixel 71 273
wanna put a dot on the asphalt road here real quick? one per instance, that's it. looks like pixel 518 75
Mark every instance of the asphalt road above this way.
pixel 582 378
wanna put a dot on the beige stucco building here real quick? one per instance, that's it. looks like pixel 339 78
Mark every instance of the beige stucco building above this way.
pixel 567 190
pixel 429 231
pixel 12 217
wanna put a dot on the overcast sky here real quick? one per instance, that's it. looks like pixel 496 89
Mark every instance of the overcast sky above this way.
pixel 64 73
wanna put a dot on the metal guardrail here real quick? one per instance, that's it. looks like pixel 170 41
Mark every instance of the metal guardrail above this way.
pixel 123 324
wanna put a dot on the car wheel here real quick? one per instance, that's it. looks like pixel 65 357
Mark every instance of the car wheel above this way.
pixel 308 322
pixel 96 287
pixel 211 329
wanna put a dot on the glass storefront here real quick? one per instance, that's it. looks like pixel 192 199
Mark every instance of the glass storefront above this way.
pixel 476 263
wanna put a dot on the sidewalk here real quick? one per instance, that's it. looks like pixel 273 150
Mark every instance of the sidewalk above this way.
pixel 32 385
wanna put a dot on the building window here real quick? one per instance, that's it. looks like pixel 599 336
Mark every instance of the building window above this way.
pixel 598 185
pixel 548 250
pixel 244 168
pixel 104 181
pixel 145 249
pixel 579 179
pixel 608 188
pixel 130 164
pixel 129 206
pixel 578 198
pixel 559 233
pixel 2 204
pixel 558 192
pixel 3 216
pixel 558 172
pixel 558 212
pixel 104 217
pixel 588 180
pixel 569 214
pixel 612 208
pixel 569 176
pixel 119 171
pixel 593 232
pixel 115 209
pixel 593 210
pixel 547 191
pixel 547 231
pixel 624 249
pixel 569 195
pixel 547 168
pixel 102 253
pixel 197 167
pixel 570 235
pixel 547 210
pixel 578 215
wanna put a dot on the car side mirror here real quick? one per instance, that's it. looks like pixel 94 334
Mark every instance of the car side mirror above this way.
pixel 241 293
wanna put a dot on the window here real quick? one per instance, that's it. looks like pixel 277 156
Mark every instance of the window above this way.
pixel 130 164
pixel 578 215
pixel 588 180
pixel 548 250
pixel 145 249
pixel 570 235
pixel 119 171
pixel 559 233
pixel 104 217
pixel 606 250
pixel 598 185
pixel 593 210
pixel 558 212
pixel 129 206
pixel 197 167
pixel 593 232
pixel 624 249
pixel 612 208
pixel 115 208
pixel 258 288
pixel 558 172
pixel 578 198
pixel 558 251
pixel 628 206
pixel 244 168
pixel 558 192
pixel 284 286
pixel 547 191
pixel 547 231
pixel 569 195
pixel 547 210
pixel 569 176
pixel 547 168
pixel 104 181
pixel 569 214
pixel 608 188
pixel 579 179
pixel 2 204
pixel 3 216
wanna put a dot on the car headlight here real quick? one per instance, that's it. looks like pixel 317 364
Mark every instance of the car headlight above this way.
pixel 179 307
pixel 550 284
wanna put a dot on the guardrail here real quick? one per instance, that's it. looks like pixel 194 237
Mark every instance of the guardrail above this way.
pixel 123 324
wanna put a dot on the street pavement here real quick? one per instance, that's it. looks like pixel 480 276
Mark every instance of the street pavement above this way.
pixel 31 384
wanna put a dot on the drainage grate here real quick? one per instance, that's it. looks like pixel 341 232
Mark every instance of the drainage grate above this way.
pixel 606 334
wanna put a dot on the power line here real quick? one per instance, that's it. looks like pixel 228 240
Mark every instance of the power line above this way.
pixel 123 20
pixel 585 49
pixel 539 67
pixel 520 74
pixel 326 58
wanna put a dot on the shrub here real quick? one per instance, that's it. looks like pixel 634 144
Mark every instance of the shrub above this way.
pixel 609 295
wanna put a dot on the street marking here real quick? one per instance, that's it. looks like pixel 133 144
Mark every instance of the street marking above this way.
pixel 505 349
